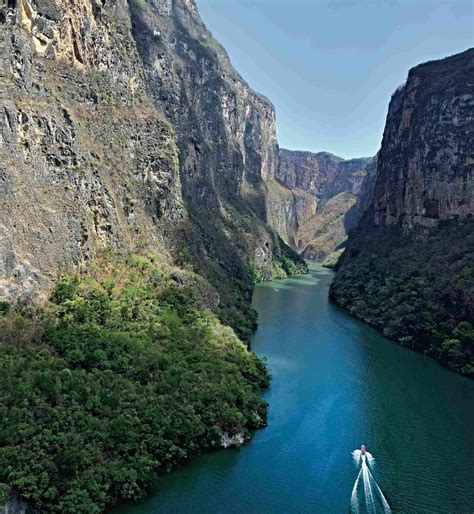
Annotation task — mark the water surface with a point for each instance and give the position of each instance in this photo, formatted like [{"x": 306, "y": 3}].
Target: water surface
[{"x": 336, "y": 383}]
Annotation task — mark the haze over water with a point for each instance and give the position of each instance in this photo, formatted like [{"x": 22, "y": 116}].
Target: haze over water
[{"x": 337, "y": 383}]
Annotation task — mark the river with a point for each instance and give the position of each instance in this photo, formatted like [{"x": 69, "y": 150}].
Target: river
[{"x": 337, "y": 383}]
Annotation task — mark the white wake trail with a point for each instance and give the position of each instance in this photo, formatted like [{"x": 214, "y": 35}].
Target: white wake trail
[
  {"x": 367, "y": 497},
  {"x": 355, "y": 507}
]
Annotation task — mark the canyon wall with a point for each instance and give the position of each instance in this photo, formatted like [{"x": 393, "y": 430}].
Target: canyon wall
[
  {"x": 425, "y": 170},
  {"x": 422, "y": 174},
  {"x": 316, "y": 198},
  {"x": 227, "y": 145},
  {"x": 124, "y": 124},
  {"x": 408, "y": 266},
  {"x": 86, "y": 158},
  {"x": 133, "y": 169}
]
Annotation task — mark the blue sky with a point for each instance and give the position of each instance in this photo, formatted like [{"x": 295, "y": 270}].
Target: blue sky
[{"x": 330, "y": 66}]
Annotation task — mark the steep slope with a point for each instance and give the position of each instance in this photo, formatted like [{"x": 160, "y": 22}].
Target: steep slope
[
  {"x": 126, "y": 375},
  {"x": 124, "y": 124},
  {"x": 311, "y": 195},
  {"x": 409, "y": 266},
  {"x": 227, "y": 148},
  {"x": 133, "y": 161},
  {"x": 86, "y": 159},
  {"x": 426, "y": 160}
]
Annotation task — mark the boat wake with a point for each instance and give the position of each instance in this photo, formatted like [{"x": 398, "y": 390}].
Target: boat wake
[{"x": 367, "y": 497}]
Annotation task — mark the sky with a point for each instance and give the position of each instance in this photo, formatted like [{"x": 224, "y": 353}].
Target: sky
[{"x": 331, "y": 66}]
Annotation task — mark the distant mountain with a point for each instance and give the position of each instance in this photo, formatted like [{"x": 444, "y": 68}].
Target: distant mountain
[{"x": 311, "y": 199}]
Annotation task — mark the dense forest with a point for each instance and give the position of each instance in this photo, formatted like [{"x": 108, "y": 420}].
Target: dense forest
[
  {"x": 418, "y": 289},
  {"x": 124, "y": 374}
]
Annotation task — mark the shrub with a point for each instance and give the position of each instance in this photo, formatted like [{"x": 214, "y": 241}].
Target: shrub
[
  {"x": 418, "y": 289},
  {"x": 131, "y": 376}
]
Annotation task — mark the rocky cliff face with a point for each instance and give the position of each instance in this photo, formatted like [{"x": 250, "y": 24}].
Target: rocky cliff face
[
  {"x": 86, "y": 158},
  {"x": 124, "y": 124},
  {"x": 408, "y": 266},
  {"x": 313, "y": 194},
  {"x": 225, "y": 135},
  {"x": 365, "y": 196},
  {"x": 426, "y": 161},
  {"x": 128, "y": 140}
]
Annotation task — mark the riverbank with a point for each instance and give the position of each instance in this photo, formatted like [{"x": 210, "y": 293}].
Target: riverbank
[
  {"x": 336, "y": 383},
  {"x": 416, "y": 290}
]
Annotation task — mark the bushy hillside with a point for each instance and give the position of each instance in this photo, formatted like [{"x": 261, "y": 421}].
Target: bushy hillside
[
  {"x": 125, "y": 374},
  {"x": 417, "y": 290}
]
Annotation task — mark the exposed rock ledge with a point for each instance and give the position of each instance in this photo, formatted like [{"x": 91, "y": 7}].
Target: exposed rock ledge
[
  {"x": 238, "y": 439},
  {"x": 317, "y": 198}
]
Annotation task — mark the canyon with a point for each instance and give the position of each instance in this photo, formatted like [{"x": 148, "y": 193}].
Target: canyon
[
  {"x": 322, "y": 197},
  {"x": 125, "y": 125},
  {"x": 143, "y": 194}
]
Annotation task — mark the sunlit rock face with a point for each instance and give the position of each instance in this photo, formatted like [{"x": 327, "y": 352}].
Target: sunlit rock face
[
  {"x": 125, "y": 125},
  {"x": 426, "y": 163},
  {"x": 317, "y": 198},
  {"x": 86, "y": 158}
]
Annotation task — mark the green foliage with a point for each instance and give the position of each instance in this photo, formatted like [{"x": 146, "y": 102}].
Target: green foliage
[
  {"x": 278, "y": 272},
  {"x": 256, "y": 273},
  {"x": 184, "y": 259},
  {"x": 4, "y": 493},
  {"x": 288, "y": 261},
  {"x": 417, "y": 290},
  {"x": 4, "y": 307},
  {"x": 129, "y": 378},
  {"x": 219, "y": 250}
]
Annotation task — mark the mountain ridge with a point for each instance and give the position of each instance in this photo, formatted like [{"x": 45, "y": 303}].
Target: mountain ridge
[{"x": 317, "y": 191}]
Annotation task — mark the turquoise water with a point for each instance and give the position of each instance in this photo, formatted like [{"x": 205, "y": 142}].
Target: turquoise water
[{"x": 336, "y": 383}]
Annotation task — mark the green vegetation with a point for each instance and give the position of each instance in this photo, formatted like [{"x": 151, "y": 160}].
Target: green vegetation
[
  {"x": 287, "y": 263},
  {"x": 123, "y": 376},
  {"x": 221, "y": 251},
  {"x": 417, "y": 290}
]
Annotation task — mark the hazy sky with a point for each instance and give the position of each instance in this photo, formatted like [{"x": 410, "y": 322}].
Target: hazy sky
[{"x": 330, "y": 66}]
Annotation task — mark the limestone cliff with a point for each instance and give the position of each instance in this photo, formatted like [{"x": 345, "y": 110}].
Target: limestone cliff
[
  {"x": 124, "y": 124},
  {"x": 409, "y": 265},
  {"x": 311, "y": 197},
  {"x": 226, "y": 139},
  {"x": 425, "y": 170},
  {"x": 124, "y": 129},
  {"x": 86, "y": 158}
]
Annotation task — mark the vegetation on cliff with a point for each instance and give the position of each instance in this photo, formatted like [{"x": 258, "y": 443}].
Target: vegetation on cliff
[
  {"x": 124, "y": 375},
  {"x": 417, "y": 290},
  {"x": 221, "y": 251}
]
